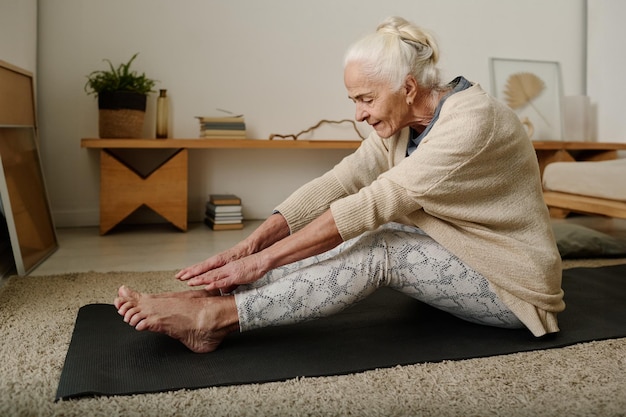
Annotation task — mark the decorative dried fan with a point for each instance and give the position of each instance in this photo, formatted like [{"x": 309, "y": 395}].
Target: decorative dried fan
[{"x": 521, "y": 89}]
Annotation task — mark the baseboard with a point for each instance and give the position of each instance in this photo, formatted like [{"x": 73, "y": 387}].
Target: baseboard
[
  {"x": 91, "y": 218},
  {"x": 76, "y": 218}
]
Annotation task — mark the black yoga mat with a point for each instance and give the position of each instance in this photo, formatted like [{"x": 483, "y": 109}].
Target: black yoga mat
[{"x": 108, "y": 357}]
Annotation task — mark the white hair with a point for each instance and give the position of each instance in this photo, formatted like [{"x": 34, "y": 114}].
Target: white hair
[{"x": 398, "y": 48}]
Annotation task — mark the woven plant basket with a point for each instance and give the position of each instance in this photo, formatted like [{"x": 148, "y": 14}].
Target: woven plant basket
[
  {"x": 122, "y": 123},
  {"x": 121, "y": 114}
]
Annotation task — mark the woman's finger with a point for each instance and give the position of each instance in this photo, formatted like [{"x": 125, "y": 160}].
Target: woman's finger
[{"x": 199, "y": 268}]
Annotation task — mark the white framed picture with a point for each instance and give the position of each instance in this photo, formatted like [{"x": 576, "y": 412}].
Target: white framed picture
[{"x": 533, "y": 90}]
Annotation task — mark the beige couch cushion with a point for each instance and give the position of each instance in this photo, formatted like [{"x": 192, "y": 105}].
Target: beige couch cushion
[{"x": 602, "y": 179}]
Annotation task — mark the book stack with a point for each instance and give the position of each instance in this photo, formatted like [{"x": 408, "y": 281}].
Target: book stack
[
  {"x": 223, "y": 127},
  {"x": 223, "y": 212}
]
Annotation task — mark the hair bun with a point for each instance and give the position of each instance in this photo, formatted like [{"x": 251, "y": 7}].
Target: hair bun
[
  {"x": 396, "y": 49},
  {"x": 413, "y": 35},
  {"x": 393, "y": 24}
]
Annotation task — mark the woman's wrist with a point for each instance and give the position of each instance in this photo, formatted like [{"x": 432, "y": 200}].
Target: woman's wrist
[{"x": 272, "y": 230}]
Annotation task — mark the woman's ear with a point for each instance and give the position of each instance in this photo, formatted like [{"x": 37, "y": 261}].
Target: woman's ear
[{"x": 410, "y": 88}]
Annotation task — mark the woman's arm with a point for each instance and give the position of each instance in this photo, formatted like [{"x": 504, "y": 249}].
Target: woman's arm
[
  {"x": 306, "y": 208},
  {"x": 317, "y": 237}
]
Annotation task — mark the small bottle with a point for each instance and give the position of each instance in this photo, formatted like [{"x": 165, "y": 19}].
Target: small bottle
[{"x": 162, "y": 115}]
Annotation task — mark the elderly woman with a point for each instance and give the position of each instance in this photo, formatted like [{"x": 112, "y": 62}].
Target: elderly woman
[{"x": 442, "y": 202}]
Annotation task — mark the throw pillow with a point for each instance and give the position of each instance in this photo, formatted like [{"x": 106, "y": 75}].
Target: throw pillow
[{"x": 575, "y": 241}]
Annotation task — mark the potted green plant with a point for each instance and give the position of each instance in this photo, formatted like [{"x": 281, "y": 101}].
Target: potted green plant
[{"x": 122, "y": 96}]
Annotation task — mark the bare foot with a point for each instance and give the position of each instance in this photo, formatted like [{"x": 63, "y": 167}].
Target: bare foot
[
  {"x": 198, "y": 321},
  {"x": 176, "y": 294}
]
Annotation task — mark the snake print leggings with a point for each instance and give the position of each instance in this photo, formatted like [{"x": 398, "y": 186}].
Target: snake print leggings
[{"x": 398, "y": 256}]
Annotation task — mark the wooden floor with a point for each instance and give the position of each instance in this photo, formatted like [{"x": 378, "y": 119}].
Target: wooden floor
[{"x": 163, "y": 247}]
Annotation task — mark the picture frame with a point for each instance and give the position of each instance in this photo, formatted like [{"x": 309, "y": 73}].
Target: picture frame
[
  {"x": 27, "y": 224},
  {"x": 533, "y": 89},
  {"x": 24, "y": 198}
]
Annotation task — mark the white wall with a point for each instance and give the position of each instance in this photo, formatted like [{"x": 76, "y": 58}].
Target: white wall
[
  {"x": 605, "y": 68},
  {"x": 277, "y": 61},
  {"x": 18, "y": 33}
]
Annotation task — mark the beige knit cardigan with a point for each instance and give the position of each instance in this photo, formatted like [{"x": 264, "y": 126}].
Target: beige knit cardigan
[{"x": 472, "y": 185}]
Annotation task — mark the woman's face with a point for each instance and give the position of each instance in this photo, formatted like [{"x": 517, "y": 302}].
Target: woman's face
[{"x": 386, "y": 111}]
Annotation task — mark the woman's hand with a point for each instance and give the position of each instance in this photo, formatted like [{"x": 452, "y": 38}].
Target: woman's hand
[
  {"x": 210, "y": 264},
  {"x": 272, "y": 230},
  {"x": 317, "y": 237},
  {"x": 227, "y": 277}
]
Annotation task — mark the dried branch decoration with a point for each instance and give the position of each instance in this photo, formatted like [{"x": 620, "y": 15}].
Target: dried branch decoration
[
  {"x": 521, "y": 89},
  {"x": 321, "y": 122}
]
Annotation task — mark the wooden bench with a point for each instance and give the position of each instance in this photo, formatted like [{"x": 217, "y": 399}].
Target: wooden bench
[{"x": 561, "y": 204}]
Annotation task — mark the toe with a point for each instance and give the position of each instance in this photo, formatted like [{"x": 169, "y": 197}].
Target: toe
[
  {"x": 132, "y": 316},
  {"x": 123, "y": 305},
  {"x": 122, "y": 291},
  {"x": 119, "y": 304},
  {"x": 127, "y": 292},
  {"x": 141, "y": 325}
]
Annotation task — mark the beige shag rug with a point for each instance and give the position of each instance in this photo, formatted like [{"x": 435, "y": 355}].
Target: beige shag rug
[{"x": 37, "y": 316}]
